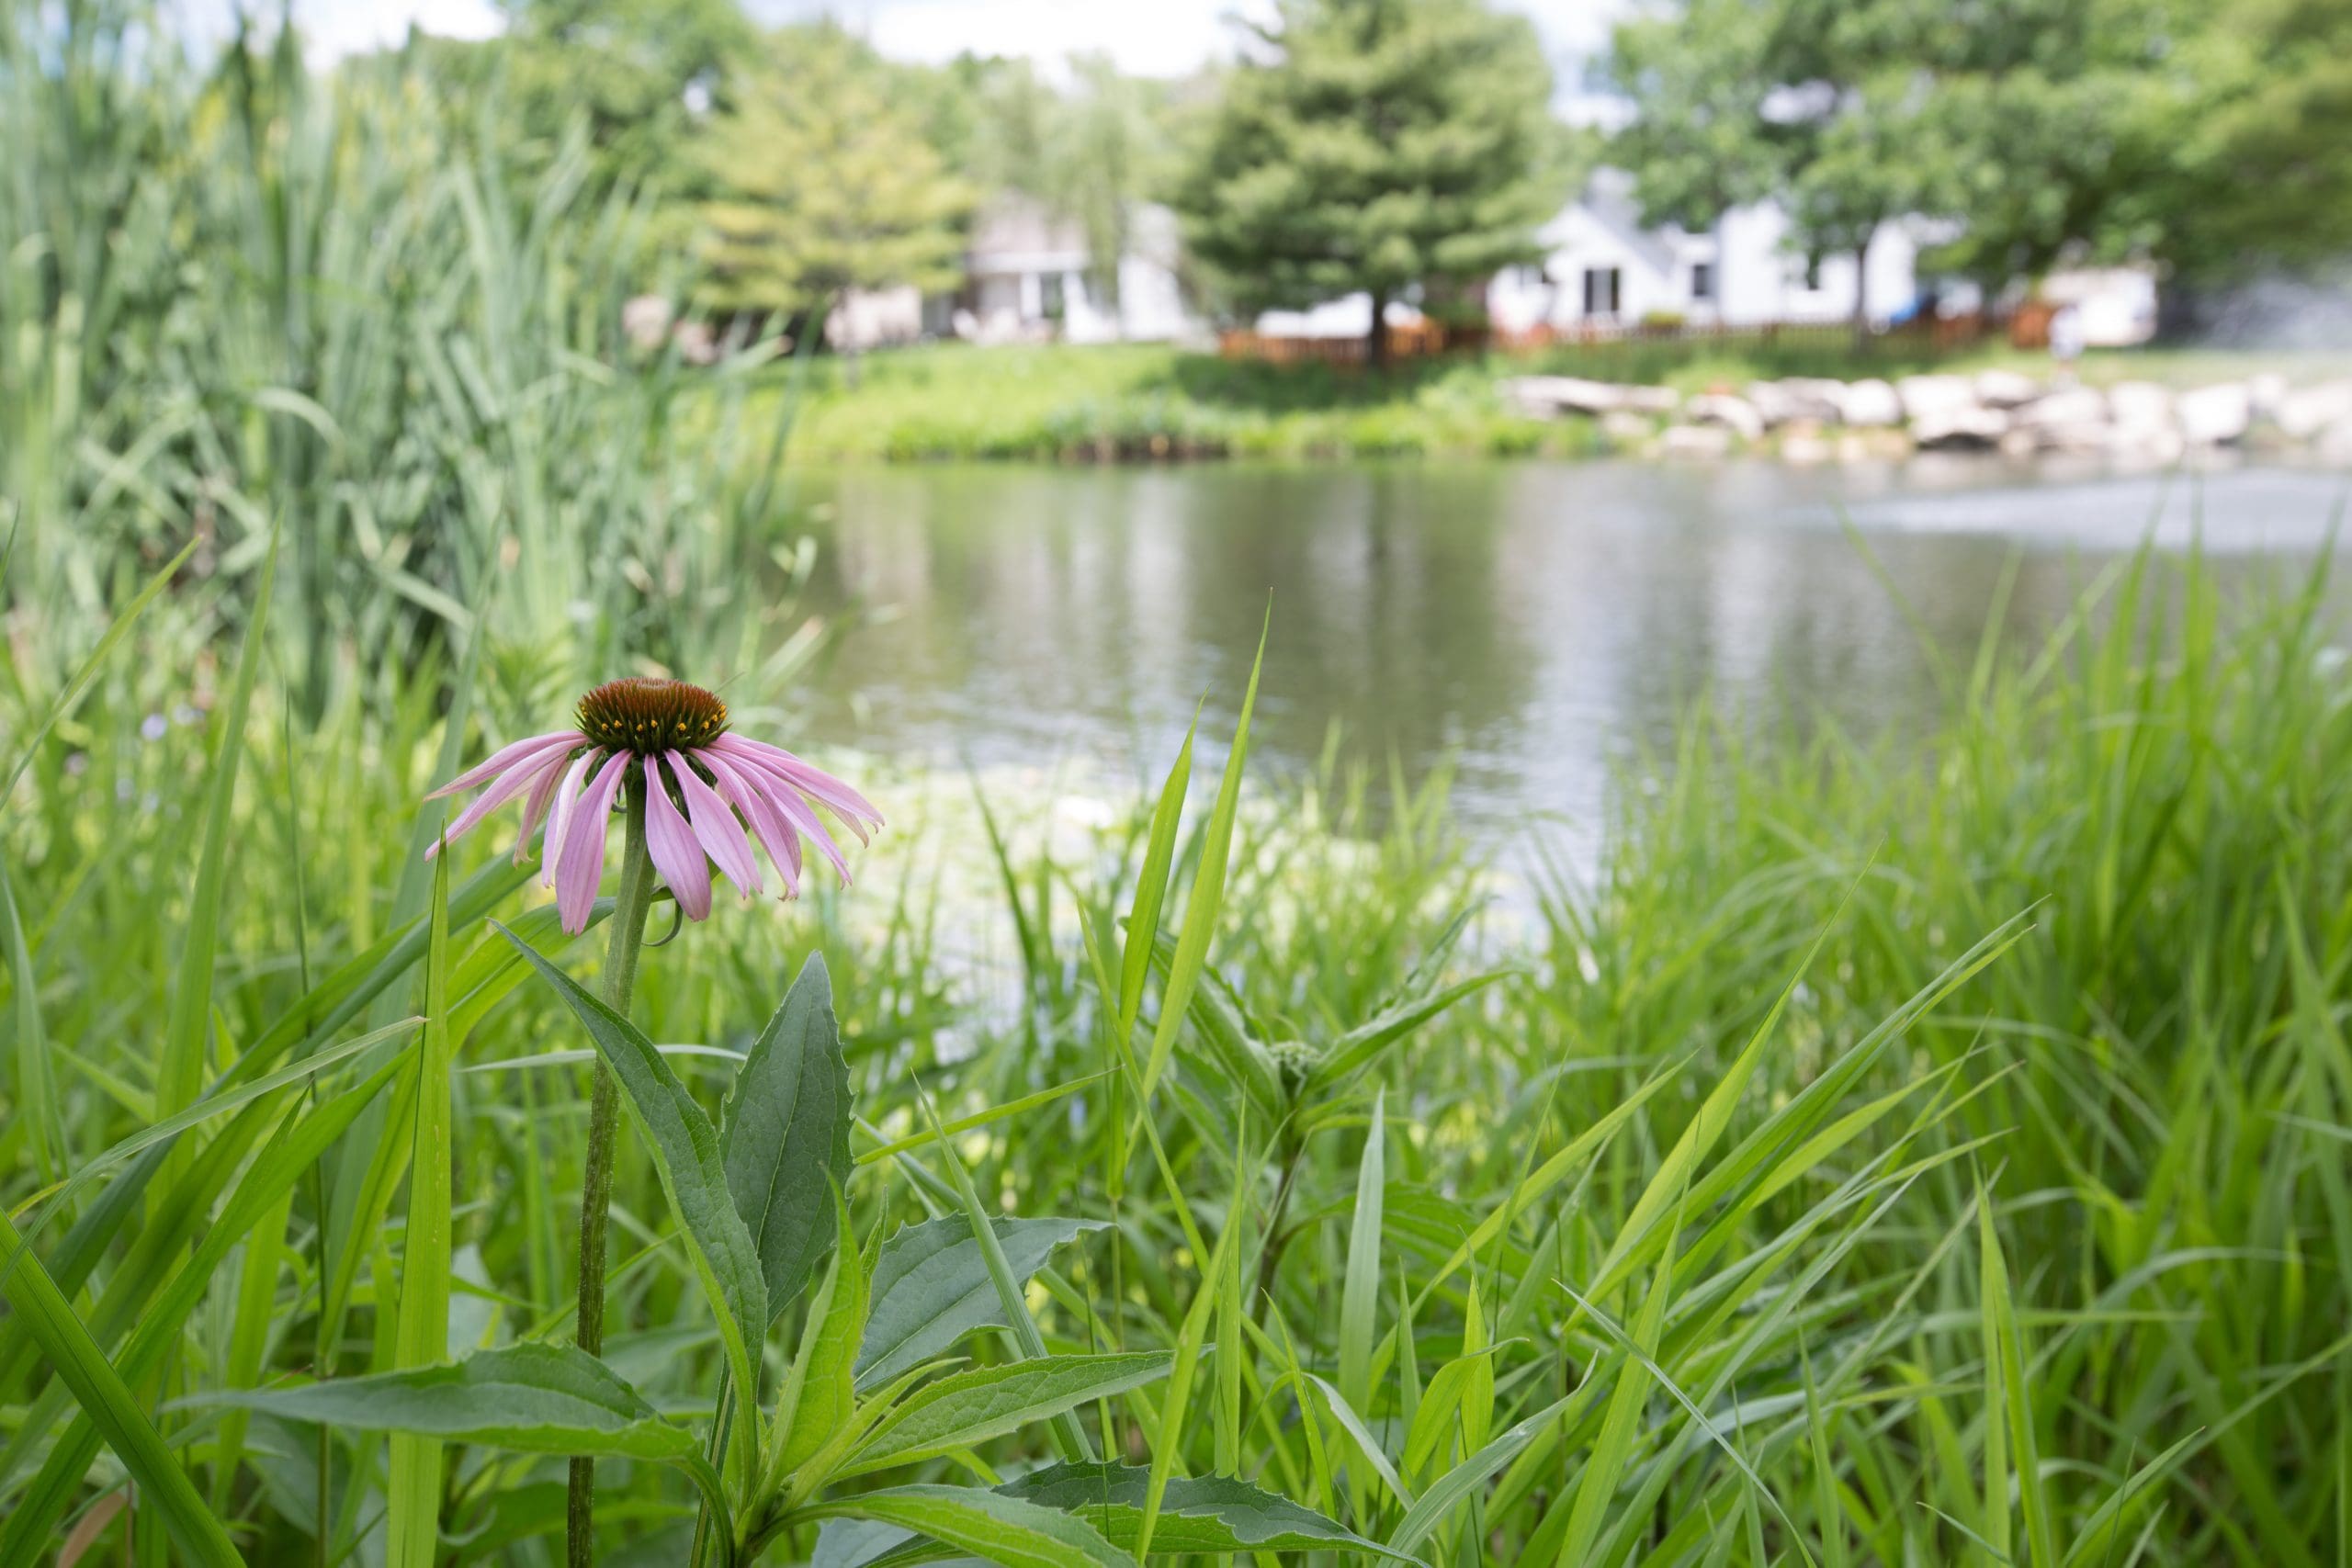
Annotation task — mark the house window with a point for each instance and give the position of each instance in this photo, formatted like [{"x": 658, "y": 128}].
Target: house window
[
  {"x": 1050, "y": 302},
  {"x": 1702, "y": 281},
  {"x": 1601, "y": 285}
]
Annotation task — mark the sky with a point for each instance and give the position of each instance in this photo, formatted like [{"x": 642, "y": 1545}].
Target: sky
[{"x": 1160, "y": 38}]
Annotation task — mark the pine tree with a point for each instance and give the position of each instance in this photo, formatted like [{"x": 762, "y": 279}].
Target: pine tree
[{"x": 1375, "y": 145}]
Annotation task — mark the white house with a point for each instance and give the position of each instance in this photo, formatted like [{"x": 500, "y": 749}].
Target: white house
[
  {"x": 1029, "y": 276},
  {"x": 1603, "y": 266}
]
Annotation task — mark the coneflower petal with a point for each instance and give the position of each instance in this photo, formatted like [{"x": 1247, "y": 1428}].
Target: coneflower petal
[
  {"x": 852, "y": 807},
  {"x": 716, "y": 827},
  {"x": 550, "y": 775},
  {"x": 676, "y": 853},
  {"x": 509, "y": 783},
  {"x": 583, "y": 846},
  {"x": 783, "y": 843},
  {"x": 797, "y": 810},
  {"x": 504, "y": 757},
  {"x": 567, "y": 796}
]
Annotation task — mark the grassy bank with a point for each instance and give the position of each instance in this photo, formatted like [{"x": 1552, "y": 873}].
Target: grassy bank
[
  {"x": 1149, "y": 402},
  {"x": 1886, "y": 1157}
]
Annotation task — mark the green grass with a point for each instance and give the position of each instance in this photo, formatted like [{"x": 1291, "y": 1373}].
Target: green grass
[
  {"x": 1920, "y": 1155},
  {"x": 1138, "y": 402}
]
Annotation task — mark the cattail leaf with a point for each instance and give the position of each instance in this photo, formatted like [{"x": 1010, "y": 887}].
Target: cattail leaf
[{"x": 985, "y": 1524}]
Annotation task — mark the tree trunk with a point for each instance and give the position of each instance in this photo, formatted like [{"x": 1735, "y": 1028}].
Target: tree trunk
[
  {"x": 1862, "y": 294},
  {"x": 1375, "y": 344}
]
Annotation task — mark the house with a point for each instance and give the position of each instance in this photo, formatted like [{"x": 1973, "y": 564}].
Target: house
[
  {"x": 1029, "y": 274},
  {"x": 1604, "y": 267}
]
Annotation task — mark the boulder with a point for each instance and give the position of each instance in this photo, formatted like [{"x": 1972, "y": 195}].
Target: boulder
[
  {"x": 2266, "y": 393},
  {"x": 1695, "y": 441},
  {"x": 2216, "y": 416},
  {"x": 1868, "y": 403},
  {"x": 1736, "y": 414},
  {"x": 2067, "y": 406},
  {"x": 2139, "y": 406},
  {"x": 1971, "y": 427},
  {"x": 1798, "y": 398},
  {"x": 1923, "y": 395},
  {"x": 1552, "y": 396},
  {"x": 1625, "y": 428},
  {"x": 2335, "y": 443},
  {"x": 2005, "y": 389},
  {"x": 1806, "y": 445},
  {"x": 2306, "y": 412}
]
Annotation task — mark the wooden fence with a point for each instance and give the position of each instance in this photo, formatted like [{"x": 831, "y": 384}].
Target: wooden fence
[{"x": 1424, "y": 340}]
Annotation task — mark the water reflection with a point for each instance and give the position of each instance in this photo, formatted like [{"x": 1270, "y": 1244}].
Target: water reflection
[{"x": 1537, "y": 621}]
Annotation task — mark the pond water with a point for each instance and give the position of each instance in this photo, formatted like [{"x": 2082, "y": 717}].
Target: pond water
[{"x": 1538, "y": 624}]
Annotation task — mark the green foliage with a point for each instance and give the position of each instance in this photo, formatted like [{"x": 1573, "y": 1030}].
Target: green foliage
[
  {"x": 821, "y": 180},
  {"x": 2209, "y": 137},
  {"x": 1383, "y": 146}
]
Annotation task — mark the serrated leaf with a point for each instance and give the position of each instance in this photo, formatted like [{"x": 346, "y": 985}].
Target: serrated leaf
[
  {"x": 686, "y": 1158},
  {"x": 931, "y": 1286},
  {"x": 1000, "y": 1529},
  {"x": 1197, "y": 1513},
  {"x": 785, "y": 1136},
  {"x": 989, "y": 1401}
]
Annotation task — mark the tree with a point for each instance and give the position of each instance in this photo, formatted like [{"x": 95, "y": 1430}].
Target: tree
[
  {"x": 1375, "y": 145},
  {"x": 2214, "y": 136},
  {"x": 1837, "y": 109},
  {"x": 824, "y": 181}
]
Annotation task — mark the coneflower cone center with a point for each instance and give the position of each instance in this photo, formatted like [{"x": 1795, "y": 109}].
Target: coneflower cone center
[{"x": 645, "y": 715}]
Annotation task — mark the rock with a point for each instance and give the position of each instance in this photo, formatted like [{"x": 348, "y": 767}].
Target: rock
[
  {"x": 2266, "y": 393},
  {"x": 2306, "y": 412},
  {"x": 2141, "y": 406},
  {"x": 1923, "y": 395},
  {"x": 1798, "y": 398},
  {"x": 2075, "y": 435},
  {"x": 2067, "y": 406},
  {"x": 1969, "y": 428},
  {"x": 2335, "y": 443},
  {"x": 1695, "y": 441},
  {"x": 1625, "y": 428},
  {"x": 1736, "y": 414},
  {"x": 2021, "y": 441},
  {"x": 2216, "y": 416},
  {"x": 2005, "y": 389},
  {"x": 1867, "y": 403},
  {"x": 1552, "y": 396},
  {"x": 1805, "y": 441}
]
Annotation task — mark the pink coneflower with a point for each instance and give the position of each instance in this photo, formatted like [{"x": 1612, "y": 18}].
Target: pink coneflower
[{"x": 703, "y": 789}]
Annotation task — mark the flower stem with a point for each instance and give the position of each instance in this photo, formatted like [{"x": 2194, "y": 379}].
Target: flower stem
[{"x": 629, "y": 909}]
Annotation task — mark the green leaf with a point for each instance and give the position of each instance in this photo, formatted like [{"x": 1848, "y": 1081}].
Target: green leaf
[
  {"x": 535, "y": 1397},
  {"x": 1000, "y": 1529},
  {"x": 109, "y": 1404},
  {"x": 1360, "y": 1290},
  {"x": 931, "y": 1286},
  {"x": 179, "y": 1072},
  {"x": 1151, "y": 887},
  {"x": 822, "y": 1387},
  {"x": 1197, "y": 1513},
  {"x": 1208, "y": 889},
  {"x": 988, "y": 1401},
  {"x": 784, "y": 1136},
  {"x": 88, "y": 672},
  {"x": 421, "y": 1335},
  {"x": 687, "y": 1157}
]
